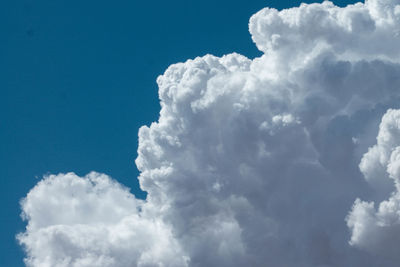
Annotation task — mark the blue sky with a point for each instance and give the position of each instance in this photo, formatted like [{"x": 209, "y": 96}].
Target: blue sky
[{"x": 78, "y": 80}]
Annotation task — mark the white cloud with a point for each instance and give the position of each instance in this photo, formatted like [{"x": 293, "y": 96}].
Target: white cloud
[
  {"x": 93, "y": 221},
  {"x": 378, "y": 231},
  {"x": 252, "y": 162}
]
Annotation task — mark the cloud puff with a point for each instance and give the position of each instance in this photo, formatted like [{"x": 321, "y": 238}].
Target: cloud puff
[
  {"x": 93, "y": 221},
  {"x": 378, "y": 231},
  {"x": 252, "y": 162}
]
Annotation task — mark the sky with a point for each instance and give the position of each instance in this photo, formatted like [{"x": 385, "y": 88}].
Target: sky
[{"x": 79, "y": 80}]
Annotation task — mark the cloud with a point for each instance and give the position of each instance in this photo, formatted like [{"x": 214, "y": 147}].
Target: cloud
[
  {"x": 257, "y": 162},
  {"x": 92, "y": 221},
  {"x": 378, "y": 231}
]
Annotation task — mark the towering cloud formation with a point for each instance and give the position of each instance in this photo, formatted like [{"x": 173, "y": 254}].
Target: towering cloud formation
[{"x": 264, "y": 162}]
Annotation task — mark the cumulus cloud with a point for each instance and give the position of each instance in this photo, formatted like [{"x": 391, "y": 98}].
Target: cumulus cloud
[
  {"x": 93, "y": 221},
  {"x": 378, "y": 231},
  {"x": 262, "y": 162}
]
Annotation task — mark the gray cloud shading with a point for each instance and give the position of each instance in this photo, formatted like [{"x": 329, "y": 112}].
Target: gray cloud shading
[{"x": 275, "y": 161}]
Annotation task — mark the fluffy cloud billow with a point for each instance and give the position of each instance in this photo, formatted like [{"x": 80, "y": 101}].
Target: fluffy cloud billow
[{"x": 289, "y": 159}]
